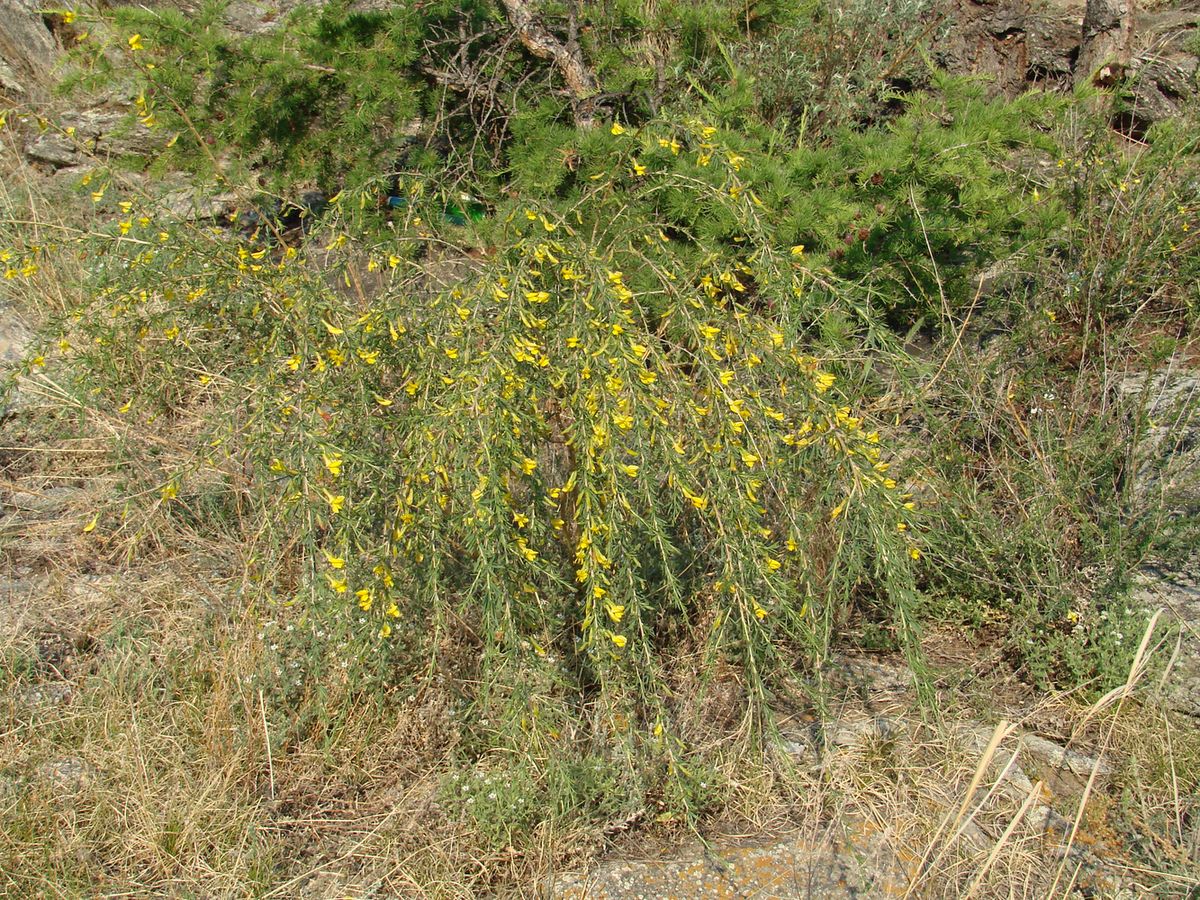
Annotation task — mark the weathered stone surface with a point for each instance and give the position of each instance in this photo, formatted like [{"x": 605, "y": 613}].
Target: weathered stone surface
[
  {"x": 99, "y": 133},
  {"x": 848, "y": 860},
  {"x": 1159, "y": 87},
  {"x": 188, "y": 205},
  {"x": 43, "y": 502},
  {"x": 28, "y": 50},
  {"x": 1169, "y": 455},
  {"x": 14, "y": 335},
  {"x": 1167, "y": 480},
  {"x": 43, "y": 694},
  {"x": 1016, "y": 44},
  {"x": 69, "y": 774},
  {"x": 1179, "y": 594},
  {"x": 1049, "y": 753}
]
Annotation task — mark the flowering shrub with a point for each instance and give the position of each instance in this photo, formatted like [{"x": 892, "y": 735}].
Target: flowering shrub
[{"x": 593, "y": 445}]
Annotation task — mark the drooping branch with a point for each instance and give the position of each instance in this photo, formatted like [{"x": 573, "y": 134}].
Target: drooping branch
[{"x": 567, "y": 57}]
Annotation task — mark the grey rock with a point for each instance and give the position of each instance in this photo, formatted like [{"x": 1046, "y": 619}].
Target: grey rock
[
  {"x": 1159, "y": 87},
  {"x": 850, "y": 860},
  {"x": 28, "y": 50},
  {"x": 186, "y": 204},
  {"x": 10, "y": 788},
  {"x": 258, "y": 16},
  {"x": 68, "y": 773},
  {"x": 1179, "y": 594},
  {"x": 1056, "y": 756},
  {"x": 1167, "y": 483},
  {"x": 9, "y": 83},
  {"x": 869, "y": 675},
  {"x": 1168, "y": 469},
  {"x": 42, "y": 503},
  {"x": 20, "y": 589},
  {"x": 15, "y": 336},
  {"x": 99, "y": 133},
  {"x": 47, "y": 694},
  {"x": 1011, "y": 780}
]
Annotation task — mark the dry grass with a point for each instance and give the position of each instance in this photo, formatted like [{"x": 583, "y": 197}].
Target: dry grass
[
  {"x": 166, "y": 772},
  {"x": 165, "y": 785}
]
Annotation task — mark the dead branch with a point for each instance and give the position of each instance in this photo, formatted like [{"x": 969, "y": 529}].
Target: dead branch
[{"x": 566, "y": 56}]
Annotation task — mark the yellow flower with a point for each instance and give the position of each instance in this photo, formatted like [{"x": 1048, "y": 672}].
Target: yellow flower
[
  {"x": 338, "y": 584},
  {"x": 773, "y": 564},
  {"x": 629, "y": 470},
  {"x": 335, "y": 562},
  {"x": 616, "y": 128},
  {"x": 914, "y": 553},
  {"x": 364, "y": 599},
  {"x": 170, "y": 491},
  {"x": 332, "y": 329},
  {"x": 528, "y": 465},
  {"x": 385, "y": 631},
  {"x": 335, "y": 501},
  {"x": 618, "y": 639},
  {"x": 135, "y": 43},
  {"x": 759, "y": 612},
  {"x": 333, "y": 463},
  {"x": 749, "y": 459},
  {"x": 798, "y": 250},
  {"x": 370, "y": 357},
  {"x": 537, "y": 296},
  {"x": 615, "y": 611},
  {"x": 393, "y": 610},
  {"x": 382, "y": 401},
  {"x": 638, "y": 168},
  {"x": 836, "y": 511},
  {"x": 68, "y": 17}
]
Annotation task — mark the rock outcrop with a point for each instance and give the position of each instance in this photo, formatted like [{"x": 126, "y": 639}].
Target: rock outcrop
[{"x": 29, "y": 51}]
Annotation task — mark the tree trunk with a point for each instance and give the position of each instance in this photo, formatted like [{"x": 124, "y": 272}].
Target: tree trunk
[
  {"x": 1107, "y": 36},
  {"x": 566, "y": 56}
]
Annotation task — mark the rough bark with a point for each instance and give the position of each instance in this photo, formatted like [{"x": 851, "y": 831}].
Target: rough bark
[
  {"x": 567, "y": 57},
  {"x": 1107, "y": 38}
]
